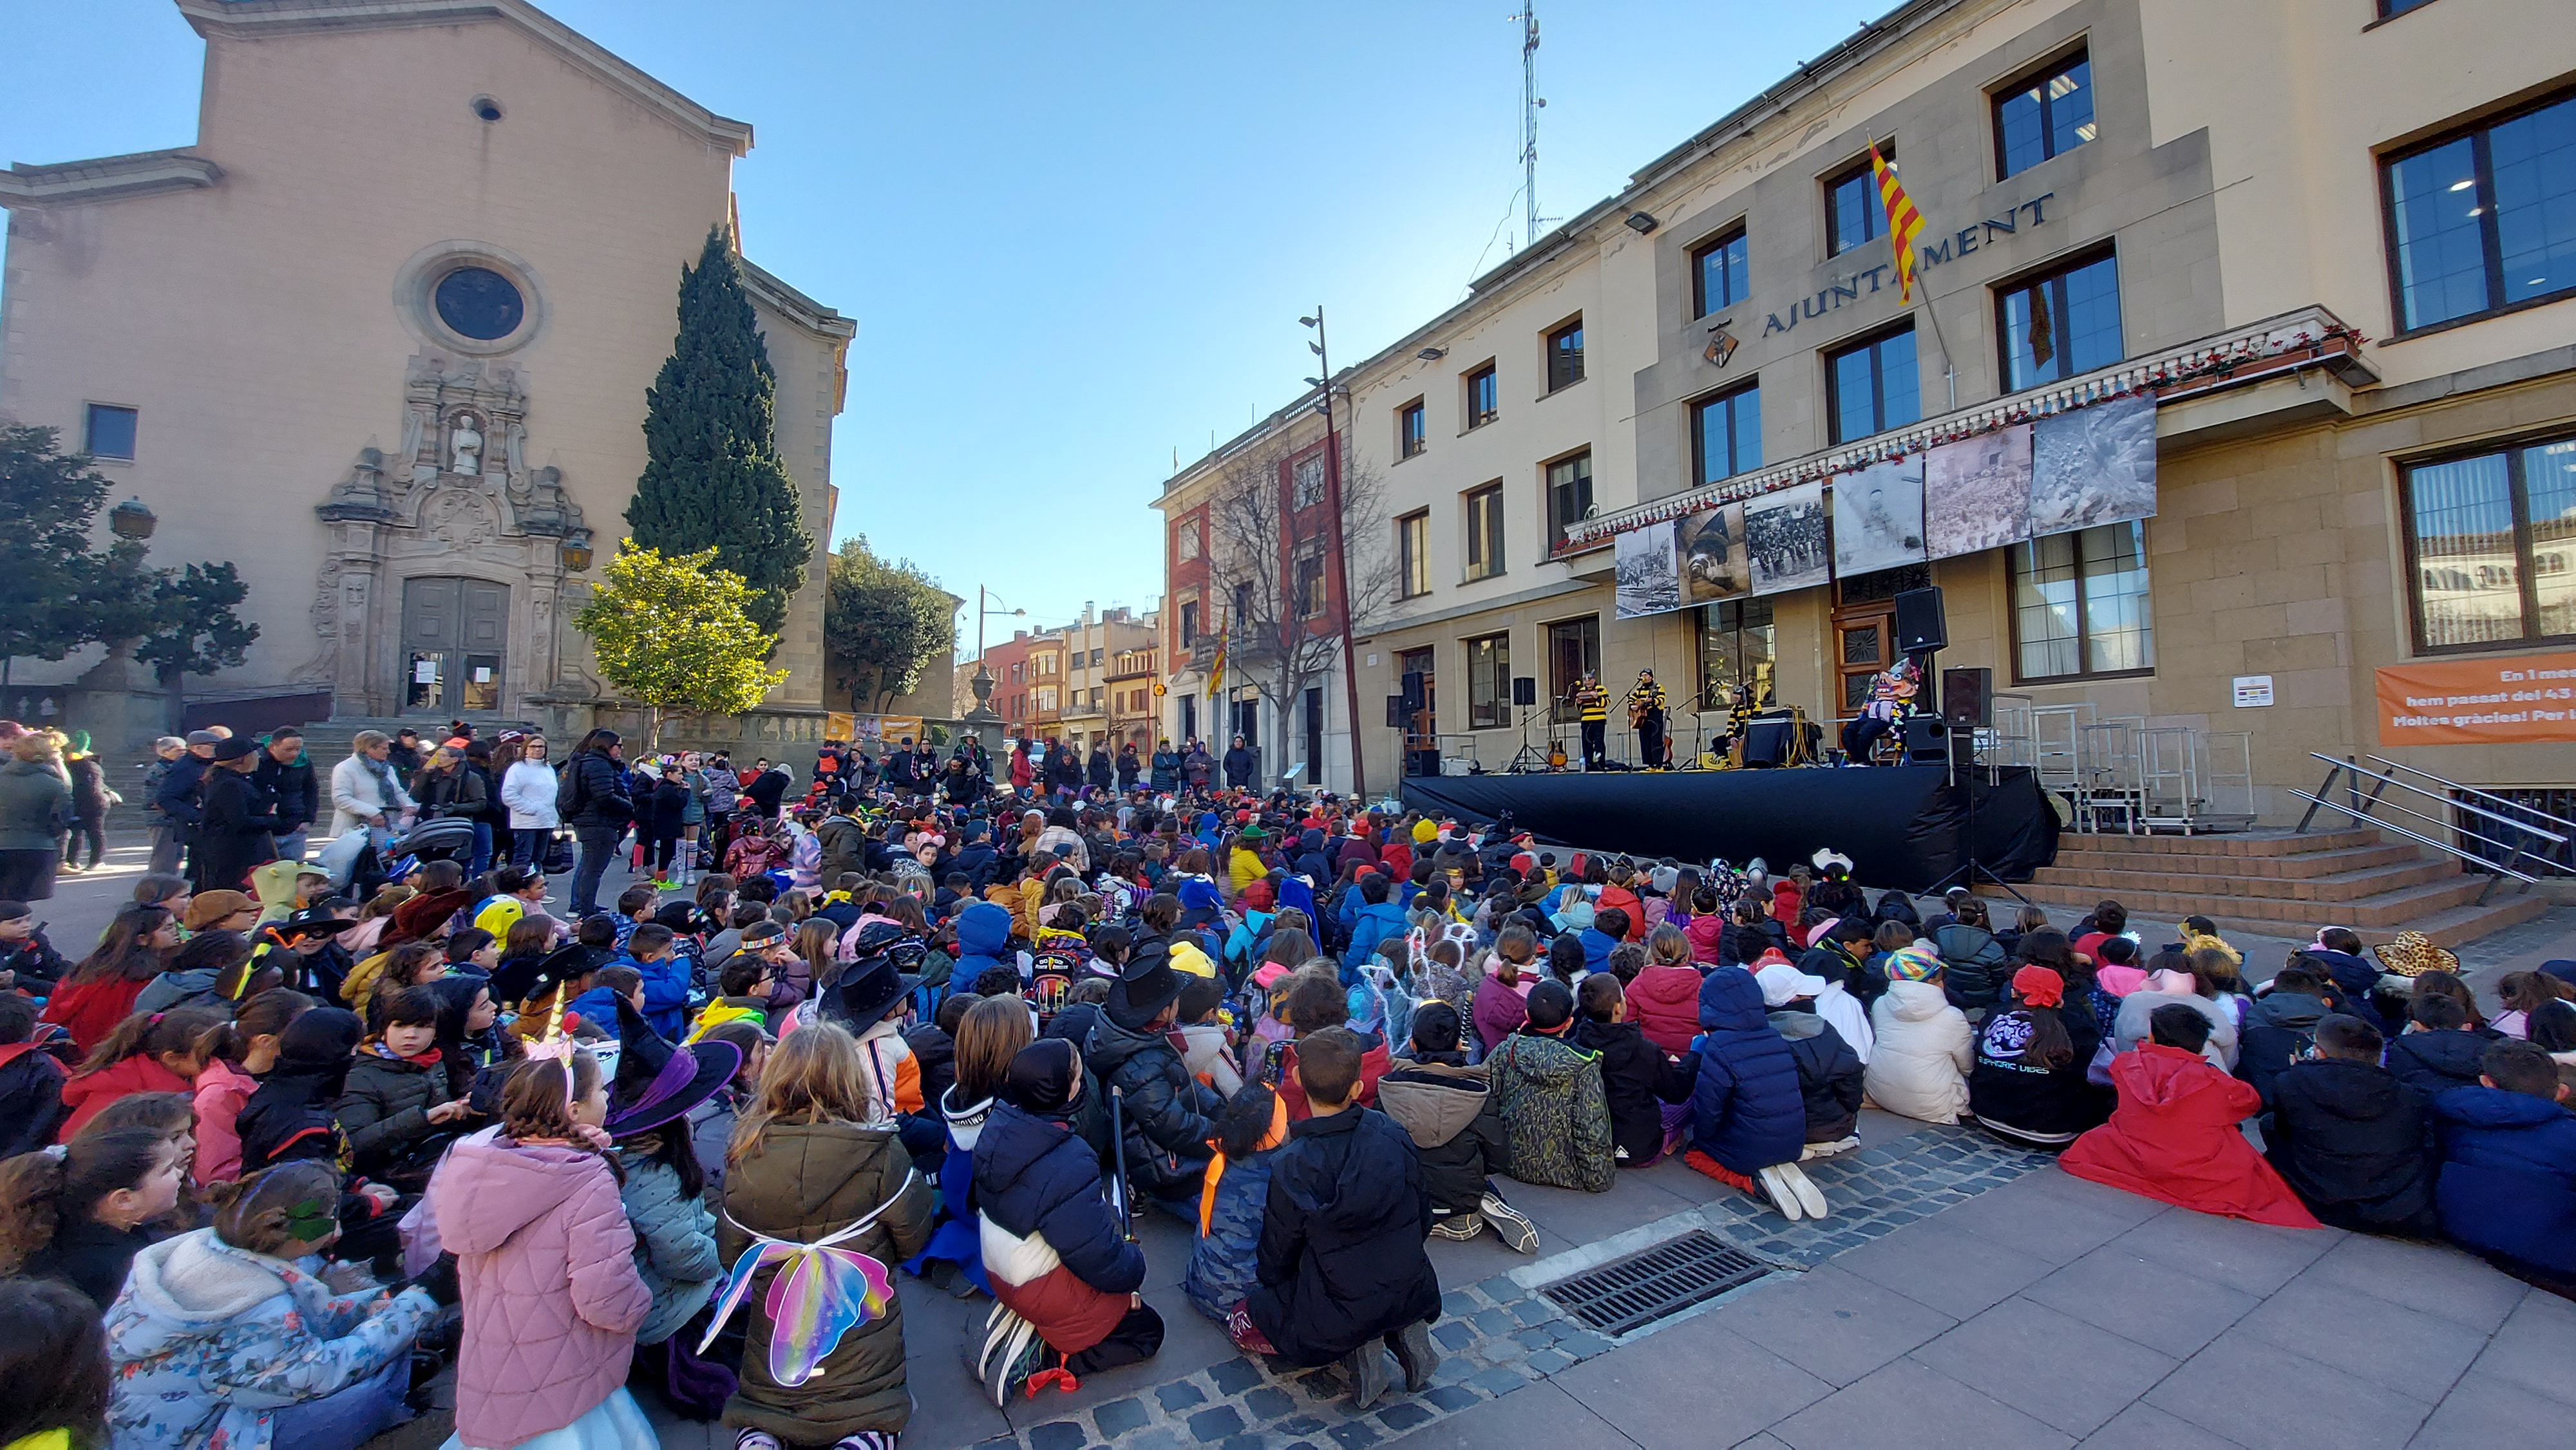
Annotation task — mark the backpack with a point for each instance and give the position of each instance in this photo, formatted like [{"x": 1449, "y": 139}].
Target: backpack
[{"x": 569, "y": 792}]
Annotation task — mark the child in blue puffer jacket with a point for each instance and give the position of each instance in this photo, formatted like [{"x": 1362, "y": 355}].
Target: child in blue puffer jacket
[
  {"x": 1748, "y": 1117},
  {"x": 1231, "y": 1204}
]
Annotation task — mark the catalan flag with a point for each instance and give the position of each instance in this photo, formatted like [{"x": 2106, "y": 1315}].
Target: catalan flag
[
  {"x": 1216, "y": 666},
  {"x": 1904, "y": 223}
]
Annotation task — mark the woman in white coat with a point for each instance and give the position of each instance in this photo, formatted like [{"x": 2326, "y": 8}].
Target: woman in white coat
[
  {"x": 366, "y": 791},
  {"x": 1925, "y": 1050},
  {"x": 528, "y": 789}
]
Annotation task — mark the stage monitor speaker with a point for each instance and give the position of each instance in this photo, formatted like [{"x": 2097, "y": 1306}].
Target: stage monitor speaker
[
  {"x": 1919, "y": 622},
  {"x": 1422, "y": 762},
  {"x": 1416, "y": 691},
  {"x": 1927, "y": 740},
  {"x": 1968, "y": 697},
  {"x": 1524, "y": 690},
  {"x": 1397, "y": 717},
  {"x": 1769, "y": 743}
]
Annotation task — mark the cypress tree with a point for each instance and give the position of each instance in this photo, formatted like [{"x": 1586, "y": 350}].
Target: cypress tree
[{"x": 712, "y": 475}]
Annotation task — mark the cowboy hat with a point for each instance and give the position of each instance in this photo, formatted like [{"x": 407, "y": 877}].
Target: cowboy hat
[
  {"x": 2411, "y": 954},
  {"x": 656, "y": 1082},
  {"x": 1146, "y": 984}
]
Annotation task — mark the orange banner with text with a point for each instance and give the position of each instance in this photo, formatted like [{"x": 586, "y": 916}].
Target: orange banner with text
[{"x": 2490, "y": 700}]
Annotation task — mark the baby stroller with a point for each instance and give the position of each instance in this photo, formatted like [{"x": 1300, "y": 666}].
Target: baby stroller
[
  {"x": 445, "y": 839},
  {"x": 358, "y": 867}
]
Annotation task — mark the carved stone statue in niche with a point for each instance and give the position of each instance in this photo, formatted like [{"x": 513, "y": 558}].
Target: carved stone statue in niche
[{"x": 466, "y": 446}]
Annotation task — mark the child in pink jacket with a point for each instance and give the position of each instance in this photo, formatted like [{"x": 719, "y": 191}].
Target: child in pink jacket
[{"x": 547, "y": 1262}]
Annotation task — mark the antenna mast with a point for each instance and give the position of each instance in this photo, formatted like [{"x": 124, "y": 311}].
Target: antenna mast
[{"x": 1530, "y": 103}]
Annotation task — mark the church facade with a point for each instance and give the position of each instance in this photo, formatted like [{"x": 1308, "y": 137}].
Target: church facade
[{"x": 381, "y": 338}]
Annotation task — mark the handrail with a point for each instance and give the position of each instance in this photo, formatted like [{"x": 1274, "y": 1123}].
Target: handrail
[
  {"x": 2465, "y": 857},
  {"x": 2483, "y": 795},
  {"x": 2386, "y": 781}
]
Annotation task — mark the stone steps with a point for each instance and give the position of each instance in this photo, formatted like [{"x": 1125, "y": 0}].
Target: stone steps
[{"x": 2335, "y": 886}]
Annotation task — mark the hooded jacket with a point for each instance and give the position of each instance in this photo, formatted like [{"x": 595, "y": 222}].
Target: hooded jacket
[
  {"x": 1169, "y": 1115},
  {"x": 1746, "y": 1112},
  {"x": 2173, "y": 1138},
  {"x": 2013, "y": 1092},
  {"x": 1370, "y": 923},
  {"x": 31, "y": 1099},
  {"x": 1447, "y": 1108},
  {"x": 35, "y": 805},
  {"x": 1226, "y": 1253},
  {"x": 1919, "y": 1068},
  {"x": 1974, "y": 965},
  {"x": 2433, "y": 1063},
  {"x": 810, "y": 1180},
  {"x": 1054, "y": 1250},
  {"x": 1638, "y": 1079},
  {"x": 218, "y": 1095},
  {"x": 2507, "y": 1183},
  {"x": 1341, "y": 1260},
  {"x": 290, "y": 1114},
  {"x": 208, "y": 1342},
  {"x": 1829, "y": 1075},
  {"x": 2355, "y": 978},
  {"x": 983, "y": 934},
  {"x": 234, "y": 830},
  {"x": 1498, "y": 1011},
  {"x": 2355, "y": 1145},
  {"x": 2137, "y": 1011},
  {"x": 2278, "y": 1027},
  {"x": 552, "y": 1298},
  {"x": 384, "y": 1110},
  {"x": 290, "y": 789},
  {"x": 1556, "y": 1112},
  {"x": 675, "y": 1245},
  {"x": 1707, "y": 935},
  {"x": 88, "y": 1092}
]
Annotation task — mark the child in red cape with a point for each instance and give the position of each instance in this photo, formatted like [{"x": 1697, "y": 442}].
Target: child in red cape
[{"x": 2174, "y": 1138}]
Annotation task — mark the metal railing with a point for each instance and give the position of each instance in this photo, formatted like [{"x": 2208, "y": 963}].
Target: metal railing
[{"x": 2362, "y": 808}]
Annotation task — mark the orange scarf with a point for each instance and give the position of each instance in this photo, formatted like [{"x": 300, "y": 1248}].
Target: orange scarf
[{"x": 1277, "y": 1135}]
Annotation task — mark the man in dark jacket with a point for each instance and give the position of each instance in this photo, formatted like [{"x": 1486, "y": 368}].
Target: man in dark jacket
[
  {"x": 593, "y": 800},
  {"x": 1447, "y": 1109},
  {"x": 1240, "y": 766},
  {"x": 2354, "y": 1144},
  {"x": 1167, "y": 769},
  {"x": 2507, "y": 1184},
  {"x": 1098, "y": 771},
  {"x": 235, "y": 823},
  {"x": 1341, "y": 1264},
  {"x": 180, "y": 798},
  {"x": 1063, "y": 769},
  {"x": 1169, "y": 1115},
  {"x": 768, "y": 789},
  {"x": 285, "y": 776},
  {"x": 2437, "y": 1052},
  {"x": 1129, "y": 767},
  {"x": 2279, "y": 1028}
]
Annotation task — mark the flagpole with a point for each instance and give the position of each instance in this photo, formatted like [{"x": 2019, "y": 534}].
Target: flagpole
[{"x": 1949, "y": 372}]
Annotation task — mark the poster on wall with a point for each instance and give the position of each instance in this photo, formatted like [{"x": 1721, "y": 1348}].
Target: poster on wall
[
  {"x": 2512, "y": 700},
  {"x": 1785, "y": 534},
  {"x": 1878, "y": 517},
  {"x": 1715, "y": 565},
  {"x": 2093, "y": 466},
  {"x": 1649, "y": 581},
  {"x": 1976, "y": 493}
]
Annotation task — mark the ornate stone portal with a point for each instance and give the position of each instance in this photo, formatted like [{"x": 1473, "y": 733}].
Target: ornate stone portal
[{"x": 458, "y": 501}]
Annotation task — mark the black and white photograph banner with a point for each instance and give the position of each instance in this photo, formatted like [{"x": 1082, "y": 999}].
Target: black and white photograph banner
[
  {"x": 1878, "y": 517},
  {"x": 2094, "y": 465},
  {"x": 1785, "y": 534},
  {"x": 1715, "y": 562},
  {"x": 1976, "y": 493},
  {"x": 1649, "y": 579}
]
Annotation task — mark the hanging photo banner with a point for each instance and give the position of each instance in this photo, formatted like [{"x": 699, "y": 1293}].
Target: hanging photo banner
[
  {"x": 1785, "y": 534},
  {"x": 1976, "y": 493},
  {"x": 1715, "y": 564},
  {"x": 1649, "y": 581},
  {"x": 2093, "y": 466},
  {"x": 1878, "y": 517}
]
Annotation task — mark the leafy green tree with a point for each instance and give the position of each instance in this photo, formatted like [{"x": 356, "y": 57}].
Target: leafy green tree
[
  {"x": 883, "y": 624},
  {"x": 676, "y": 633},
  {"x": 51, "y": 581},
  {"x": 192, "y": 628},
  {"x": 712, "y": 476}
]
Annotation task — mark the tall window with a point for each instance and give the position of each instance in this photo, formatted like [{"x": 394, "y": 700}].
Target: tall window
[
  {"x": 1573, "y": 650},
  {"x": 1485, "y": 532},
  {"x": 1726, "y": 435},
  {"x": 1852, "y": 211},
  {"x": 110, "y": 431},
  {"x": 1735, "y": 648},
  {"x": 1484, "y": 402},
  {"x": 1873, "y": 386},
  {"x": 1410, "y": 438},
  {"x": 1310, "y": 585},
  {"x": 2486, "y": 220},
  {"x": 2493, "y": 543},
  {"x": 1306, "y": 481},
  {"x": 1413, "y": 554},
  {"x": 1717, "y": 274},
  {"x": 1569, "y": 497},
  {"x": 2057, "y": 326},
  {"x": 1565, "y": 356},
  {"x": 1185, "y": 544},
  {"x": 1189, "y": 624},
  {"x": 1489, "y": 681},
  {"x": 2049, "y": 113},
  {"x": 2080, "y": 604}
]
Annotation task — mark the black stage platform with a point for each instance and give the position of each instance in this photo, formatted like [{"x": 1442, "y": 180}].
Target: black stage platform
[{"x": 1902, "y": 825}]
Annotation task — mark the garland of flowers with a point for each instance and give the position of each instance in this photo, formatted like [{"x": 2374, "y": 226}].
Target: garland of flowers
[{"x": 2138, "y": 380}]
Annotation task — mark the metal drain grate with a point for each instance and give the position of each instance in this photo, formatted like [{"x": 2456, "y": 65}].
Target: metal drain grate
[{"x": 1625, "y": 1294}]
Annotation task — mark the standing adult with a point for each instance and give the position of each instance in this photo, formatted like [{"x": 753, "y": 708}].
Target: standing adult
[
  {"x": 366, "y": 789},
  {"x": 169, "y": 840},
  {"x": 1098, "y": 771},
  {"x": 1240, "y": 765},
  {"x": 90, "y": 799},
  {"x": 1167, "y": 768},
  {"x": 593, "y": 801},
  {"x": 1129, "y": 767},
  {"x": 769, "y": 788},
  {"x": 1646, "y": 711},
  {"x": 178, "y": 797},
  {"x": 286, "y": 776},
  {"x": 1198, "y": 767},
  {"x": 1592, "y": 704},
  {"x": 1023, "y": 773},
  {"x": 1063, "y": 770},
  {"x": 528, "y": 791},
  {"x": 405, "y": 753},
  {"x": 235, "y": 831},
  {"x": 446, "y": 788},
  {"x": 903, "y": 769},
  {"x": 491, "y": 818},
  {"x": 35, "y": 814}
]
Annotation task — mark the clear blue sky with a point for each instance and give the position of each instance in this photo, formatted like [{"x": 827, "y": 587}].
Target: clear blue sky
[{"x": 1076, "y": 238}]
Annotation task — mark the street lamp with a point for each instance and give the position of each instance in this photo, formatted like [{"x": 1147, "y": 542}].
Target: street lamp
[
  {"x": 1341, "y": 571},
  {"x": 132, "y": 519},
  {"x": 983, "y": 612},
  {"x": 575, "y": 550}
]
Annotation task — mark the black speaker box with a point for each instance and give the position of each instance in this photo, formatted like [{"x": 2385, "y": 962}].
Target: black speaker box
[
  {"x": 1927, "y": 740},
  {"x": 1524, "y": 689},
  {"x": 1422, "y": 762},
  {"x": 1968, "y": 697},
  {"x": 1397, "y": 717},
  {"x": 1920, "y": 625},
  {"x": 1414, "y": 690}
]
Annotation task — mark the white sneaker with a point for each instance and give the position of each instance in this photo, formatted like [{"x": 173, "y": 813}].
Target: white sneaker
[
  {"x": 1511, "y": 1223},
  {"x": 1828, "y": 1150},
  {"x": 1775, "y": 1181},
  {"x": 1810, "y": 1197}
]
